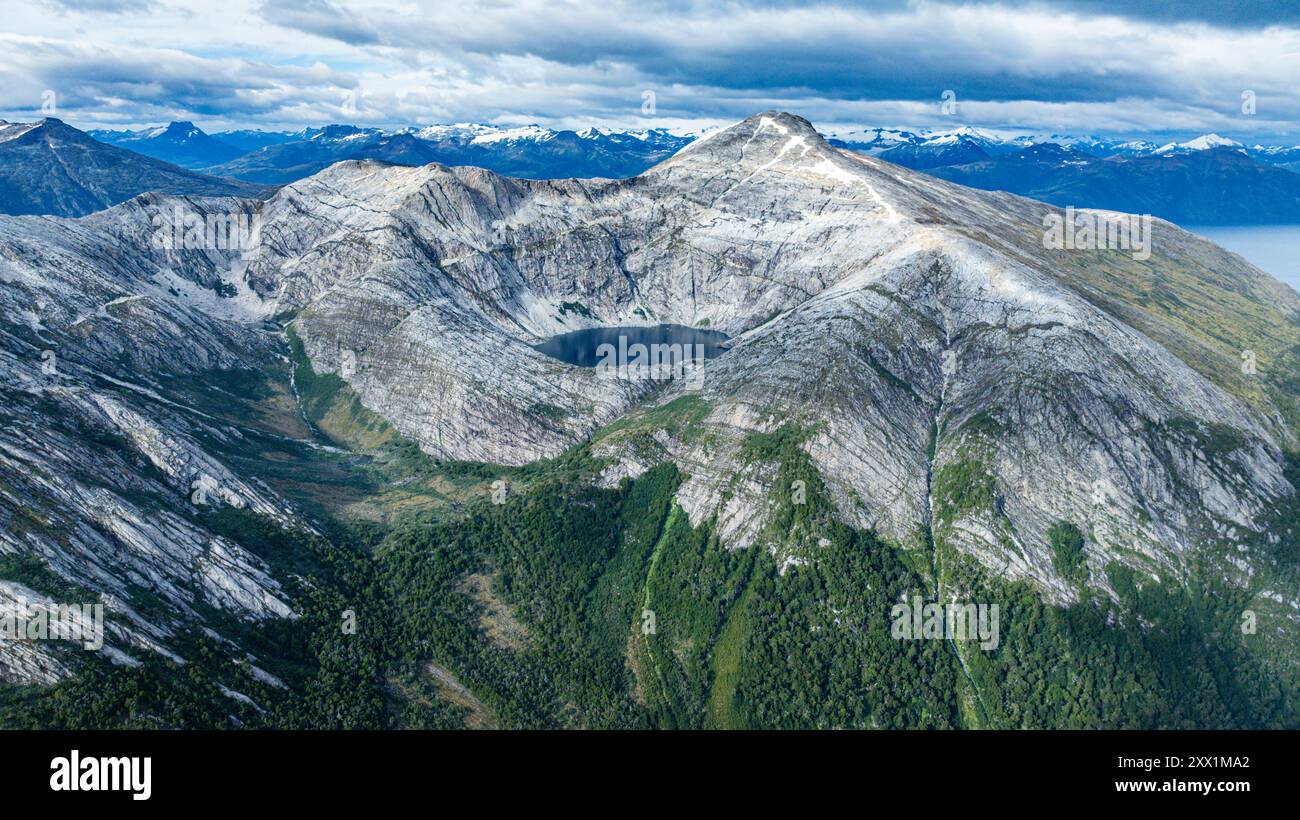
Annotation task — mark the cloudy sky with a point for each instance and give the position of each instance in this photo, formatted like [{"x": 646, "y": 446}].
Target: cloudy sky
[{"x": 1077, "y": 66}]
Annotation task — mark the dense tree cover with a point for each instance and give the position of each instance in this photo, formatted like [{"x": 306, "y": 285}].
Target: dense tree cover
[
  {"x": 333, "y": 680},
  {"x": 794, "y": 632},
  {"x": 820, "y": 652},
  {"x": 962, "y": 486},
  {"x": 32, "y": 573},
  {"x": 1068, "y": 556},
  {"x": 557, "y": 555},
  {"x": 1164, "y": 657}
]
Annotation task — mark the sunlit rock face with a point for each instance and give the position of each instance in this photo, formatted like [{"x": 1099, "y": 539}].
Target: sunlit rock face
[
  {"x": 916, "y": 331},
  {"x": 872, "y": 304}
]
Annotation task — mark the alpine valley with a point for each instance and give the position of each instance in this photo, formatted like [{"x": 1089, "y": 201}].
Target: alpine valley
[{"x": 323, "y": 478}]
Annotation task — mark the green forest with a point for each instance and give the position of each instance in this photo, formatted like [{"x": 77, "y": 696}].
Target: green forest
[
  {"x": 623, "y": 615},
  {"x": 573, "y": 605}
]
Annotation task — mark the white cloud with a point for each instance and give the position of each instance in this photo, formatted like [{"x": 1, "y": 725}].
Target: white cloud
[{"x": 288, "y": 62}]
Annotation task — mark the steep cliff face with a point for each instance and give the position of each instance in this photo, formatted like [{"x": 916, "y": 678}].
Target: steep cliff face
[
  {"x": 952, "y": 380},
  {"x": 104, "y": 466}
]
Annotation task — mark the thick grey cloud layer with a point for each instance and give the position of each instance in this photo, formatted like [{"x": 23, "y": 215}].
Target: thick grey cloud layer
[
  {"x": 1067, "y": 65},
  {"x": 321, "y": 18}
]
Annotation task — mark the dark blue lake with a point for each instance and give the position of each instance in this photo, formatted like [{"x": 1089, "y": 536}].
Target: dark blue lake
[{"x": 580, "y": 347}]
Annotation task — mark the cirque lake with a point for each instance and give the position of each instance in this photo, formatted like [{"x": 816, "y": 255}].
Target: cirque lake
[{"x": 580, "y": 347}]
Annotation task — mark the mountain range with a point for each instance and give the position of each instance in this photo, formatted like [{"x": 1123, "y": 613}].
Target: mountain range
[
  {"x": 1216, "y": 185},
  {"x": 49, "y": 167},
  {"x": 531, "y": 151},
  {"x": 180, "y": 143},
  {"x": 346, "y": 421},
  {"x": 1207, "y": 180}
]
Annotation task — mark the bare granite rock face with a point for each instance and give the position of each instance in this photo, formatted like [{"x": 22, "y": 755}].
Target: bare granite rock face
[
  {"x": 877, "y": 306},
  {"x": 100, "y": 471},
  {"x": 918, "y": 334}
]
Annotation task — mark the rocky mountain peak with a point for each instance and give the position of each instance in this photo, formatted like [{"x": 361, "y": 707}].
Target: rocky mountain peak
[
  {"x": 903, "y": 312},
  {"x": 181, "y": 130},
  {"x": 762, "y": 138},
  {"x": 51, "y": 127},
  {"x": 49, "y": 132},
  {"x": 770, "y": 162}
]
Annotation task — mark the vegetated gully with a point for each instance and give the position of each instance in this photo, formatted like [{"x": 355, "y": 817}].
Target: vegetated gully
[{"x": 936, "y": 421}]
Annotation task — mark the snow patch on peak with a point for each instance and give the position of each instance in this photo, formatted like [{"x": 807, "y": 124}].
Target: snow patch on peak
[
  {"x": 13, "y": 130},
  {"x": 527, "y": 132},
  {"x": 1202, "y": 143}
]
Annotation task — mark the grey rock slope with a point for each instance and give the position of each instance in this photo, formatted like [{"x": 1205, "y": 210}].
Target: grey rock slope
[
  {"x": 102, "y": 476},
  {"x": 916, "y": 332},
  {"x": 849, "y": 284}
]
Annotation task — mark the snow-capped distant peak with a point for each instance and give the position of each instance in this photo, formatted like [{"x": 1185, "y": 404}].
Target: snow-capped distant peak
[
  {"x": 1201, "y": 143},
  {"x": 334, "y": 131},
  {"x": 534, "y": 133},
  {"x": 1275, "y": 149},
  {"x": 951, "y": 138},
  {"x": 869, "y": 134},
  {"x": 460, "y": 130},
  {"x": 178, "y": 131},
  {"x": 595, "y": 132},
  {"x": 1211, "y": 141},
  {"x": 872, "y": 141},
  {"x": 670, "y": 137},
  {"x": 968, "y": 131},
  {"x": 1137, "y": 145},
  {"x": 479, "y": 133}
]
